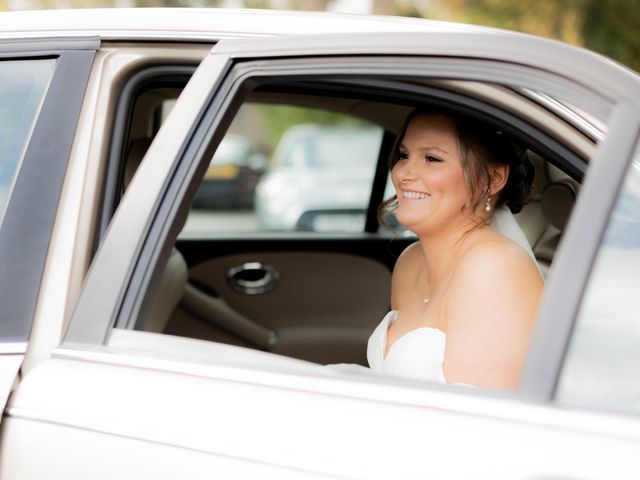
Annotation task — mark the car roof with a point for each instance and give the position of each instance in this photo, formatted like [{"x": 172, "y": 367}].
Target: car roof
[{"x": 206, "y": 24}]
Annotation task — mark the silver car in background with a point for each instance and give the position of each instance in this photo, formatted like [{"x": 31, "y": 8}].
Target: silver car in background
[{"x": 320, "y": 178}]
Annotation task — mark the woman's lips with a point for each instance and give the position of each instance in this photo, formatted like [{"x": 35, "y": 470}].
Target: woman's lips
[{"x": 413, "y": 195}]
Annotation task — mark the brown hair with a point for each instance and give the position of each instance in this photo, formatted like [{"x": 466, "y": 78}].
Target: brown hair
[{"x": 480, "y": 145}]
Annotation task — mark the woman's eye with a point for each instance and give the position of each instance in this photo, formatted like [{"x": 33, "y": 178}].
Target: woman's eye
[
  {"x": 403, "y": 155},
  {"x": 431, "y": 158}
]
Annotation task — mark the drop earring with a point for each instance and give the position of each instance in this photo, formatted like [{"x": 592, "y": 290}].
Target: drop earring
[{"x": 487, "y": 207}]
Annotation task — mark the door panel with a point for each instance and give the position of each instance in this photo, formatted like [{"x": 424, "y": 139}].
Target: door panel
[
  {"x": 322, "y": 307},
  {"x": 330, "y": 295},
  {"x": 127, "y": 416}
]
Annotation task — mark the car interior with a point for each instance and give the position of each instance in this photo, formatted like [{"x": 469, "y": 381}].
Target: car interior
[{"x": 317, "y": 295}]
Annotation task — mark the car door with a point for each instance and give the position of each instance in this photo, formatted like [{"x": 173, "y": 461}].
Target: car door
[
  {"x": 41, "y": 88},
  {"x": 163, "y": 405}
]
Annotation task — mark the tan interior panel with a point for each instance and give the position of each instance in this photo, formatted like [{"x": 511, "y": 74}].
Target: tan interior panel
[{"x": 323, "y": 307}]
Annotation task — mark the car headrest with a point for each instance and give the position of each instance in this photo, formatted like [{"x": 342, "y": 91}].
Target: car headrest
[{"x": 557, "y": 202}]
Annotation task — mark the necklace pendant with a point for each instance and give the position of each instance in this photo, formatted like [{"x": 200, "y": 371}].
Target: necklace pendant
[{"x": 425, "y": 300}]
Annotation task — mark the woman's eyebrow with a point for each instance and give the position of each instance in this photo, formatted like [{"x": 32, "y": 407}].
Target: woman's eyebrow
[
  {"x": 430, "y": 148},
  {"x": 426, "y": 148}
]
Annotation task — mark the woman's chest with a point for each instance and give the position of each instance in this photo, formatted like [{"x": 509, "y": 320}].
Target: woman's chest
[{"x": 415, "y": 314}]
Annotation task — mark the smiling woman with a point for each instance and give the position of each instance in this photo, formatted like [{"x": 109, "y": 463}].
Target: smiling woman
[{"x": 463, "y": 298}]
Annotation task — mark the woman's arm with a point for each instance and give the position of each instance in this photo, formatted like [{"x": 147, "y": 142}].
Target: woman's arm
[{"x": 492, "y": 306}]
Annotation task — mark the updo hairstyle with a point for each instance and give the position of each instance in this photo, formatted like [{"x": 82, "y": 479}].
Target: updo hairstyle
[{"x": 480, "y": 145}]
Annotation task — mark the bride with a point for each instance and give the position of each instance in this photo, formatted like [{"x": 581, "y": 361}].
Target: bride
[{"x": 464, "y": 297}]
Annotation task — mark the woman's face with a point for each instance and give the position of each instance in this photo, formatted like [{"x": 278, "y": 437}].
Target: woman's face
[{"x": 428, "y": 177}]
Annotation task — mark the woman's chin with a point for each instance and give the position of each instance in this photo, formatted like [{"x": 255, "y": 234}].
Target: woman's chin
[{"x": 409, "y": 220}]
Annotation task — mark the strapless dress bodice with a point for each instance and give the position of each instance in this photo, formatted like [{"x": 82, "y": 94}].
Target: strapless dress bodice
[{"x": 418, "y": 354}]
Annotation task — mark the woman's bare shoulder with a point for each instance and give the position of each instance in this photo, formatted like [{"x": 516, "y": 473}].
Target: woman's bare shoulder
[
  {"x": 493, "y": 255},
  {"x": 495, "y": 279},
  {"x": 494, "y": 296},
  {"x": 405, "y": 272}
]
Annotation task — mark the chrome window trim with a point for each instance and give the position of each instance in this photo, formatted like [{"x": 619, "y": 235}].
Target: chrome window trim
[{"x": 565, "y": 113}]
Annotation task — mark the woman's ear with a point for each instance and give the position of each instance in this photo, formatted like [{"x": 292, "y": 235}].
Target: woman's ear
[{"x": 498, "y": 175}]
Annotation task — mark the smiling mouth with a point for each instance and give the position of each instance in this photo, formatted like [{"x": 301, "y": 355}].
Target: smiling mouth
[{"x": 415, "y": 195}]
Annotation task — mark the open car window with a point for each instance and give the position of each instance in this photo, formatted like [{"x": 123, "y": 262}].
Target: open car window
[{"x": 296, "y": 163}]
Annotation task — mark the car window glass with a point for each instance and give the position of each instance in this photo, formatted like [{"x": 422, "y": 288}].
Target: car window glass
[
  {"x": 287, "y": 168},
  {"x": 603, "y": 362},
  {"x": 23, "y": 85}
]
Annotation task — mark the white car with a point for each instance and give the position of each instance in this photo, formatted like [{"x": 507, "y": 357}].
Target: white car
[
  {"x": 320, "y": 178},
  {"x": 130, "y": 349}
]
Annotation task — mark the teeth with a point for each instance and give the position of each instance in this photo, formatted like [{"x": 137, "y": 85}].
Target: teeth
[{"x": 414, "y": 195}]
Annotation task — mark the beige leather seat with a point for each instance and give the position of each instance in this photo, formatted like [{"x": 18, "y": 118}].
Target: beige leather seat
[
  {"x": 168, "y": 293},
  {"x": 545, "y": 218},
  {"x": 556, "y": 203}
]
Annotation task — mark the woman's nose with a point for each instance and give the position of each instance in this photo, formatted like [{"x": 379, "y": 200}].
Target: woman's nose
[{"x": 406, "y": 169}]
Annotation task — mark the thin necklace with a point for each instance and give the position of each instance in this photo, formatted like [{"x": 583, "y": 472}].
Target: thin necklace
[{"x": 449, "y": 269}]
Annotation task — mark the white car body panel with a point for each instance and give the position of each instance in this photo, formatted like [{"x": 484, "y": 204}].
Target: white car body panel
[
  {"x": 203, "y": 24},
  {"x": 288, "y": 424}
]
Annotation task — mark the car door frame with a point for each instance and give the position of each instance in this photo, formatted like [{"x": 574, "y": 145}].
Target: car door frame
[
  {"x": 127, "y": 262},
  {"x": 24, "y": 243}
]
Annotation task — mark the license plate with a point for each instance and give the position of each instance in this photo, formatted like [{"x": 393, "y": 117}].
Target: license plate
[{"x": 224, "y": 172}]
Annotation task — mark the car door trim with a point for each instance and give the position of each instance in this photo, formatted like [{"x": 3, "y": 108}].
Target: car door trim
[
  {"x": 577, "y": 253},
  {"x": 27, "y": 225}
]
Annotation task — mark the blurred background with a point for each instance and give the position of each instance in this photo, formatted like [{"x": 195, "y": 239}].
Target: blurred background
[
  {"x": 268, "y": 147},
  {"x": 611, "y": 27}
]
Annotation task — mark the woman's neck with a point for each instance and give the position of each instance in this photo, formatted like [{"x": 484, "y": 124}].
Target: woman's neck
[{"x": 441, "y": 250}]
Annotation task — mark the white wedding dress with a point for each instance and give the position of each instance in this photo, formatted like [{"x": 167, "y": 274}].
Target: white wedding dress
[{"x": 419, "y": 353}]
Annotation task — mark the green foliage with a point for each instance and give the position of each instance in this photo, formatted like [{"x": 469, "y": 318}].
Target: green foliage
[
  {"x": 548, "y": 18},
  {"x": 612, "y": 27},
  {"x": 281, "y": 117}
]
